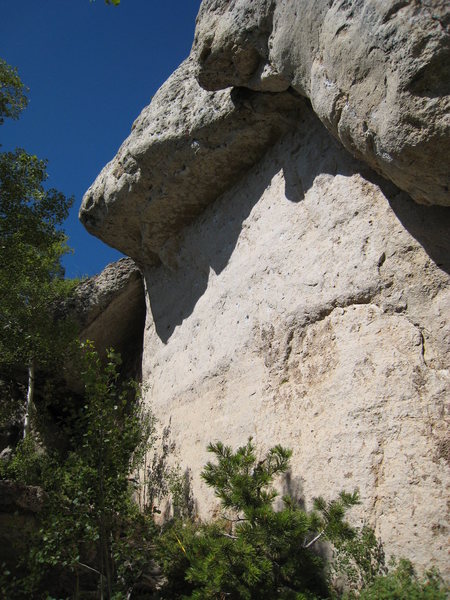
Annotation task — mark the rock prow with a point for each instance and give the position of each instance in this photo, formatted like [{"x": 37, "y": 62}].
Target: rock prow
[
  {"x": 93, "y": 295},
  {"x": 109, "y": 309},
  {"x": 185, "y": 149}
]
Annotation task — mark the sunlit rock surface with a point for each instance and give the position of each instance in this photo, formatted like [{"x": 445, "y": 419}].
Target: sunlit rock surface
[
  {"x": 377, "y": 74},
  {"x": 185, "y": 149},
  {"x": 293, "y": 294}
]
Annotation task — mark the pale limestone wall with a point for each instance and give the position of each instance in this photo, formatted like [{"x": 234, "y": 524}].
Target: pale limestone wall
[
  {"x": 292, "y": 294},
  {"x": 376, "y": 72},
  {"x": 309, "y": 307}
]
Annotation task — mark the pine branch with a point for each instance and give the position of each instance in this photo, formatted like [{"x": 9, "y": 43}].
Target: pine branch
[{"x": 318, "y": 536}]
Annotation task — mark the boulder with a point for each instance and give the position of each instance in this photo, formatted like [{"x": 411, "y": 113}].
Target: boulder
[
  {"x": 109, "y": 309},
  {"x": 17, "y": 497},
  {"x": 19, "y": 506}
]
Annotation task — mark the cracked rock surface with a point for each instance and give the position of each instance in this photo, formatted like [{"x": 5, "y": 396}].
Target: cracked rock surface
[
  {"x": 310, "y": 308},
  {"x": 377, "y": 74}
]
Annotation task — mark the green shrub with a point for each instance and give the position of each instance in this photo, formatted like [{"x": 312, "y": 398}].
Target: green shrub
[
  {"x": 403, "y": 584},
  {"x": 91, "y": 529},
  {"x": 252, "y": 551}
]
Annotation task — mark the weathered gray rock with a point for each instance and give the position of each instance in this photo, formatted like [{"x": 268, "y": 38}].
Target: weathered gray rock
[
  {"x": 109, "y": 309},
  {"x": 302, "y": 298},
  {"x": 185, "y": 149},
  {"x": 377, "y": 74}
]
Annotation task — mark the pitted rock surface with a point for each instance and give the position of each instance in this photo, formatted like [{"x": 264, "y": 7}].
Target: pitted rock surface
[
  {"x": 377, "y": 74},
  {"x": 185, "y": 149},
  {"x": 310, "y": 308},
  {"x": 293, "y": 294}
]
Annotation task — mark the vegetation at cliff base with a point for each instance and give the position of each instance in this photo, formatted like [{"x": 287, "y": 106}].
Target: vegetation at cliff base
[
  {"x": 93, "y": 539},
  {"x": 91, "y": 532}
]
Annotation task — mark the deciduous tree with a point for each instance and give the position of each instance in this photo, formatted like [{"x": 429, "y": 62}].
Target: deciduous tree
[{"x": 31, "y": 247}]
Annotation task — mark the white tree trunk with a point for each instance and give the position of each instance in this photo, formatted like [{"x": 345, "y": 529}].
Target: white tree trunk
[{"x": 30, "y": 398}]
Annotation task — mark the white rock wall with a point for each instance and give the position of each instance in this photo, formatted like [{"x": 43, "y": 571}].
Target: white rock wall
[{"x": 310, "y": 308}]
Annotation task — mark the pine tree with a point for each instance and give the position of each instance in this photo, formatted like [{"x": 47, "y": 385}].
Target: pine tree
[{"x": 254, "y": 551}]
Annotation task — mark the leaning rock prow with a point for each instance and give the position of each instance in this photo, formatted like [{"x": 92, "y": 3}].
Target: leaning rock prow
[{"x": 184, "y": 151}]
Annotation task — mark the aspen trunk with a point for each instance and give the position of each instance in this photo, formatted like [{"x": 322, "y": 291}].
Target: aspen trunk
[{"x": 30, "y": 398}]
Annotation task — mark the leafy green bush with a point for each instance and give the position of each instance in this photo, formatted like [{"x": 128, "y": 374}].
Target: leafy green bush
[
  {"x": 357, "y": 560},
  {"x": 92, "y": 537},
  {"x": 26, "y": 464},
  {"x": 91, "y": 528}
]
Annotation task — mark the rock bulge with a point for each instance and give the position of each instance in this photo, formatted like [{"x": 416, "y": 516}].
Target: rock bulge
[
  {"x": 377, "y": 74},
  {"x": 285, "y": 196}
]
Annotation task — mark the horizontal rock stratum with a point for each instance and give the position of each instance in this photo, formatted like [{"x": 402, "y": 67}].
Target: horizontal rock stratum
[{"x": 277, "y": 195}]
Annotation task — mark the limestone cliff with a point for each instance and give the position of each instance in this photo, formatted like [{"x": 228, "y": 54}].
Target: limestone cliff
[{"x": 297, "y": 287}]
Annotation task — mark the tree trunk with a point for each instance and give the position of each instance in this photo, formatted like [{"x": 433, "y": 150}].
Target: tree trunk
[{"x": 30, "y": 398}]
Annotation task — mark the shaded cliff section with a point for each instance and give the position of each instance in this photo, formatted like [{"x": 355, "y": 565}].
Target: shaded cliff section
[{"x": 107, "y": 309}]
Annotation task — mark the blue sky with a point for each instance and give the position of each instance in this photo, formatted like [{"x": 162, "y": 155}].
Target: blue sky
[{"x": 91, "y": 69}]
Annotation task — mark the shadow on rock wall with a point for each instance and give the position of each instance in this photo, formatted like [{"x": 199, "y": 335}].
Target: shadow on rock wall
[{"x": 302, "y": 155}]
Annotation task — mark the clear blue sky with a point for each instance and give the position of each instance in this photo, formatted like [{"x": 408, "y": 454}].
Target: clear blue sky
[{"x": 91, "y": 69}]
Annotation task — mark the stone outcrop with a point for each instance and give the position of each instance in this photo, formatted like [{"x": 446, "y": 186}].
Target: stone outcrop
[
  {"x": 177, "y": 161},
  {"x": 109, "y": 310},
  {"x": 377, "y": 74},
  {"x": 293, "y": 293}
]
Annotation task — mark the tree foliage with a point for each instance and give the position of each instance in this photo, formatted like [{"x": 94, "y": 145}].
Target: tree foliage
[
  {"x": 91, "y": 528},
  {"x": 31, "y": 247},
  {"x": 13, "y": 97},
  {"x": 402, "y": 583},
  {"x": 253, "y": 550}
]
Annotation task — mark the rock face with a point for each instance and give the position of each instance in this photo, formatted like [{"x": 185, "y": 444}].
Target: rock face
[
  {"x": 377, "y": 74},
  {"x": 110, "y": 310},
  {"x": 309, "y": 310},
  {"x": 304, "y": 300},
  {"x": 176, "y": 162}
]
